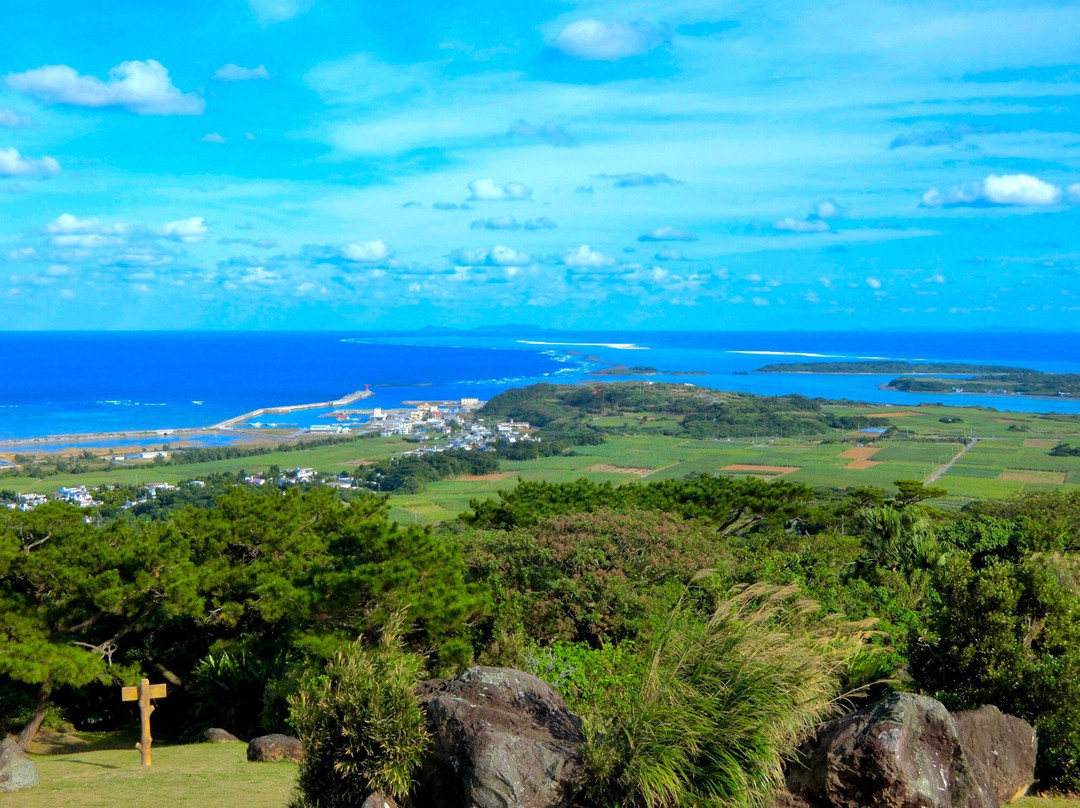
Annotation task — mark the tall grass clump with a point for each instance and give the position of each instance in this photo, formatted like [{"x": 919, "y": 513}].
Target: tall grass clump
[
  {"x": 710, "y": 708},
  {"x": 361, "y": 724}
]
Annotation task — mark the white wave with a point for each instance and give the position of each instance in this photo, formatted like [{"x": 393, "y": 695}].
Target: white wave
[
  {"x": 791, "y": 353},
  {"x": 617, "y": 346}
]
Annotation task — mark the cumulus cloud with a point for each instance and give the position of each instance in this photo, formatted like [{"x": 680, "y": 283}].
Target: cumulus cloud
[
  {"x": 231, "y": 72},
  {"x": 1074, "y": 192},
  {"x": 1022, "y": 190},
  {"x": 367, "y": 252},
  {"x": 873, "y": 283},
  {"x": 497, "y": 223},
  {"x": 585, "y": 256},
  {"x": 669, "y": 254},
  {"x": 597, "y": 40},
  {"x": 142, "y": 87},
  {"x": 790, "y": 224},
  {"x": 668, "y": 234},
  {"x": 543, "y": 223},
  {"x": 497, "y": 256},
  {"x": 827, "y": 209},
  {"x": 487, "y": 190},
  {"x": 635, "y": 179},
  {"x": 13, "y": 164},
  {"x": 66, "y": 224},
  {"x": 187, "y": 231},
  {"x": 548, "y": 132},
  {"x": 12, "y": 120},
  {"x": 212, "y": 137}
]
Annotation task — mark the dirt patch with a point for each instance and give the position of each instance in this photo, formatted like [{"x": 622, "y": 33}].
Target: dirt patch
[
  {"x": 360, "y": 462},
  {"x": 860, "y": 457},
  {"x": 1040, "y": 443},
  {"x": 755, "y": 469},
  {"x": 498, "y": 475},
  {"x": 609, "y": 469},
  {"x": 899, "y": 414},
  {"x": 1029, "y": 476}
]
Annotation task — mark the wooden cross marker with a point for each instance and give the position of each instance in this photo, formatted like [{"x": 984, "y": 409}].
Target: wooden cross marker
[{"x": 142, "y": 694}]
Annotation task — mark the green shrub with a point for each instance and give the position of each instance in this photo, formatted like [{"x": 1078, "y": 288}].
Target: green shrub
[
  {"x": 703, "y": 714},
  {"x": 361, "y": 724}
]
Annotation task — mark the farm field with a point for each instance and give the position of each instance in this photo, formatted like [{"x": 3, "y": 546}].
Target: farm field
[{"x": 1011, "y": 455}]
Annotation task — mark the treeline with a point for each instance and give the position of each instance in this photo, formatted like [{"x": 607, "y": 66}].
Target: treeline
[
  {"x": 570, "y": 410},
  {"x": 1023, "y": 382},
  {"x": 410, "y": 474},
  {"x": 239, "y": 599}
]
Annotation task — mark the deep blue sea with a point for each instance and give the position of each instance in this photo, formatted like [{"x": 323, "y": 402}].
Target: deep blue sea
[{"x": 69, "y": 382}]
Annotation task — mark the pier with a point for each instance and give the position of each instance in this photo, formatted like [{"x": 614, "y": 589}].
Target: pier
[{"x": 318, "y": 405}]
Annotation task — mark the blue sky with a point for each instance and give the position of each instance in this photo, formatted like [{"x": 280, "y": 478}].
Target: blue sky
[{"x": 331, "y": 164}]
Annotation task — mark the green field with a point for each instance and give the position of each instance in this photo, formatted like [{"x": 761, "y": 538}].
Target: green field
[
  {"x": 1011, "y": 456},
  {"x": 191, "y": 776}
]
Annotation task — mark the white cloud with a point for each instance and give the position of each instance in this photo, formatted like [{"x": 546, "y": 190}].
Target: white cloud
[
  {"x": 22, "y": 254},
  {"x": 584, "y": 256},
  {"x": 596, "y": 40},
  {"x": 212, "y": 137},
  {"x": 497, "y": 223},
  {"x": 792, "y": 225},
  {"x": 497, "y": 256},
  {"x": 367, "y": 252},
  {"x": 188, "y": 231},
  {"x": 12, "y": 120},
  {"x": 13, "y": 164},
  {"x": 668, "y": 234},
  {"x": 997, "y": 189},
  {"x": 231, "y": 72},
  {"x": 669, "y": 254},
  {"x": 873, "y": 283},
  {"x": 66, "y": 223},
  {"x": 827, "y": 209},
  {"x": 1074, "y": 192},
  {"x": 87, "y": 241},
  {"x": 543, "y": 223},
  {"x": 142, "y": 87},
  {"x": 278, "y": 10},
  {"x": 487, "y": 190},
  {"x": 1019, "y": 189}
]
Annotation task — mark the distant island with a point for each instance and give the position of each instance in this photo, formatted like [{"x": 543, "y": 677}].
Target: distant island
[
  {"x": 927, "y": 377},
  {"x": 883, "y": 367},
  {"x": 642, "y": 370}
]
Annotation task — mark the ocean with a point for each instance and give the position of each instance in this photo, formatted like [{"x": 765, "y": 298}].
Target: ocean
[{"x": 74, "y": 383}]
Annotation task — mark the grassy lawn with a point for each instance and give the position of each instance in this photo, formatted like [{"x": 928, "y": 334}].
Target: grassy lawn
[
  {"x": 193, "y": 776},
  {"x": 189, "y": 776}
]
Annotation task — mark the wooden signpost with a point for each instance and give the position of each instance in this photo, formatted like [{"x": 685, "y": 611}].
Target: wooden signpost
[{"x": 142, "y": 694}]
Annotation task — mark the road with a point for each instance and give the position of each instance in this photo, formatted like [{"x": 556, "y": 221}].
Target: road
[{"x": 941, "y": 470}]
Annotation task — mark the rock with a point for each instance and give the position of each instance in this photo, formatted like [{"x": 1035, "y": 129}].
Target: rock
[
  {"x": 218, "y": 735},
  {"x": 1004, "y": 744},
  {"x": 502, "y": 738},
  {"x": 902, "y": 752},
  {"x": 272, "y": 748},
  {"x": 378, "y": 800},
  {"x": 17, "y": 771}
]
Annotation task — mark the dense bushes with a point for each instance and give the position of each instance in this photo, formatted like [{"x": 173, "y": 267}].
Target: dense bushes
[
  {"x": 361, "y": 725},
  {"x": 701, "y": 713}
]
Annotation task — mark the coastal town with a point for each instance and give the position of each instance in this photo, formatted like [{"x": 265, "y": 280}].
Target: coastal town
[{"x": 435, "y": 426}]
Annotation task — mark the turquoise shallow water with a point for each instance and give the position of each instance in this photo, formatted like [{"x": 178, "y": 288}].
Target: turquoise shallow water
[{"x": 70, "y": 382}]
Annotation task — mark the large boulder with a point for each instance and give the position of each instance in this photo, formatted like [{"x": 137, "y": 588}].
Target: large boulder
[
  {"x": 502, "y": 739},
  {"x": 218, "y": 735},
  {"x": 379, "y": 800},
  {"x": 902, "y": 752},
  {"x": 275, "y": 747},
  {"x": 17, "y": 771},
  {"x": 1004, "y": 745}
]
